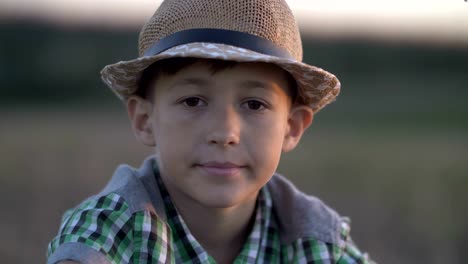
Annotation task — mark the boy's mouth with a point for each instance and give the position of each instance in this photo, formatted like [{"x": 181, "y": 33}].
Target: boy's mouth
[{"x": 220, "y": 168}]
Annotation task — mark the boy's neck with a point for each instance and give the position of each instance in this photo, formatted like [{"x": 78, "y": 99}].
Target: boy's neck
[{"x": 221, "y": 231}]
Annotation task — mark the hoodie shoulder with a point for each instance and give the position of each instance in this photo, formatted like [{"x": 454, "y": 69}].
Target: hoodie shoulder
[{"x": 300, "y": 215}]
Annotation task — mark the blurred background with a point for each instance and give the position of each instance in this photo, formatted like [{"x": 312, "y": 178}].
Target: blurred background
[{"x": 391, "y": 153}]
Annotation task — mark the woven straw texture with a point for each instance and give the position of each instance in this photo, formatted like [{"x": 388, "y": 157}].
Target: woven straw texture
[{"x": 269, "y": 19}]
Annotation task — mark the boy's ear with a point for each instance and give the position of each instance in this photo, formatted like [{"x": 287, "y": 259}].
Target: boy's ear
[
  {"x": 139, "y": 111},
  {"x": 300, "y": 118}
]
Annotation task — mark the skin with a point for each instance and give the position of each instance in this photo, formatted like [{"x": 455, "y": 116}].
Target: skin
[{"x": 218, "y": 139}]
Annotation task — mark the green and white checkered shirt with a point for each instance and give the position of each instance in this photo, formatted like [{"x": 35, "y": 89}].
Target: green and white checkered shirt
[{"x": 111, "y": 229}]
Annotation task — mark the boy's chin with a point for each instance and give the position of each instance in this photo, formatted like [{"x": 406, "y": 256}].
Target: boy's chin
[{"x": 223, "y": 200}]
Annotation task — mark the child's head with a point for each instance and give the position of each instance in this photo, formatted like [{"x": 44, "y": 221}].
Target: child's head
[{"x": 220, "y": 90}]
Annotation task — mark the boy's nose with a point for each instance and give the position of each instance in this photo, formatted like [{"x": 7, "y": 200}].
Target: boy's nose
[{"x": 224, "y": 128}]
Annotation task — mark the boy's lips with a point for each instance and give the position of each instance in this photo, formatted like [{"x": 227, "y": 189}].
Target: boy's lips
[{"x": 220, "y": 168}]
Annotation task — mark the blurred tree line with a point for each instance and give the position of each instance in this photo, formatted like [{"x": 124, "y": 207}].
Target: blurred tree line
[{"x": 41, "y": 64}]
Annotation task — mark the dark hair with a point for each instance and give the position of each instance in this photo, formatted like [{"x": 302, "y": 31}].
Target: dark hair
[{"x": 173, "y": 65}]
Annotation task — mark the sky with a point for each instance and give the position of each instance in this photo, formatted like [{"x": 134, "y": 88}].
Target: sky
[{"x": 423, "y": 20}]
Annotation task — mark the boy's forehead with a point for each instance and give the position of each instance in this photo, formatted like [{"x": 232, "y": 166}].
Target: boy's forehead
[
  {"x": 254, "y": 73},
  {"x": 243, "y": 75},
  {"x": 247, "y": 82}
]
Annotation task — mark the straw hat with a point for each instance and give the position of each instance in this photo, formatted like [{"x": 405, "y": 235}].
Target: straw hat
[{"x": 235, "y": 30}]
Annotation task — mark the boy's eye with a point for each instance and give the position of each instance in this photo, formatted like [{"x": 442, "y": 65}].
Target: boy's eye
[
  {"x": 193, "y": 102},
  {"x": 254, "y": 105}
]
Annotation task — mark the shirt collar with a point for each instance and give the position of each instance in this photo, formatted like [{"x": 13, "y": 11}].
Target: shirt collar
[{"x": 260, "y": 242}]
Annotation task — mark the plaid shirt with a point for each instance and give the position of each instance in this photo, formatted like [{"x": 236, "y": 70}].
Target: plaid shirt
[{"x": 106, "y": 225}]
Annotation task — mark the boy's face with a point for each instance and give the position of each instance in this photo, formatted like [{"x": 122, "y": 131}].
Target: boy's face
[{"x": 219, "y": 136}]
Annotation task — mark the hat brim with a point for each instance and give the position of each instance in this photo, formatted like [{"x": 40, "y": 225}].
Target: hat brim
[{"x": 316, "y": 87}]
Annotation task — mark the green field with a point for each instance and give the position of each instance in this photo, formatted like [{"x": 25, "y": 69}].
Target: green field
[{"x": 403, "y": 189}]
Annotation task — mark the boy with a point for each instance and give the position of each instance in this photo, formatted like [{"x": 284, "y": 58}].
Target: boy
[{"x": 219, "y": 91}]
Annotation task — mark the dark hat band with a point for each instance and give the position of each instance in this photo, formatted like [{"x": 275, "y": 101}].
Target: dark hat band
[{"x": 219, "y": 36}]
